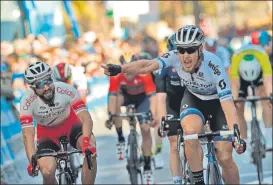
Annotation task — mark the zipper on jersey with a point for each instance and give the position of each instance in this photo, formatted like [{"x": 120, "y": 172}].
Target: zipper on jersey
[{"x": 192, "y": 77}]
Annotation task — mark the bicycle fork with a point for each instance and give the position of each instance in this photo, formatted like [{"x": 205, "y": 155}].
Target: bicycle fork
[{"x": 212, "y": 161}]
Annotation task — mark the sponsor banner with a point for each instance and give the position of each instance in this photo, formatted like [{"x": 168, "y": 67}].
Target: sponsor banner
[{"x": 10, "y": 127}]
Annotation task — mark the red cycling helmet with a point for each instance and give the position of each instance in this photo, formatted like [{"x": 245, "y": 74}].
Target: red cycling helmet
[{"x": 62, "y": 72}]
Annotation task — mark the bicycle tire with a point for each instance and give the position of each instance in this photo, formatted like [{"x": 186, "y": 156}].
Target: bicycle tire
[
  {"x": 73, "y": 168},
  {"x": 65, "y": 179},
  {"x": 187, "y": 174},
  {"x": 133, "y": 160},
  {"x": 257, "y": 154},
  {"x": 213, "y": 174}
]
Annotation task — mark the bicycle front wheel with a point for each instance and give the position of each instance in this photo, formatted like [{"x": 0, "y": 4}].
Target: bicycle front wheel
[
  {"x": 214, "y": 176},
  {"x": 257, "y": 153},
  {"x": 132, "y": 166},
  {"x": 65, "y": 179},
  {"x": 187, "y": 174},
  {"x": 188, "y": 177}
]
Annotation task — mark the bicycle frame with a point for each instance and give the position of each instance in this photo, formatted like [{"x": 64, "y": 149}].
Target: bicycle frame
[
  {"x": 133, "y": 162},
  {"x": 63, "y": 162},
  {"x": 212, "y": 160},
  {"x": 257, "y": 138}
]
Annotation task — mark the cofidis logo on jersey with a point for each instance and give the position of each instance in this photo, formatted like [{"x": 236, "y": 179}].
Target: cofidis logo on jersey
[
  {"x": 65, "y": 91},
  {"x": 29, "y": 101},
  {"x": 214, "y": 68}
]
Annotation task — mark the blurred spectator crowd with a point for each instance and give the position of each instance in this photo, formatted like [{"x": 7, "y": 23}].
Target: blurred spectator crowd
[{"x": 87, "y": 52}]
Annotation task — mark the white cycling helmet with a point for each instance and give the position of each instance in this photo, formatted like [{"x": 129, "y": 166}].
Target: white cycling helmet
[
  {"x": 37, "y": 71},
  {"x": 189, "y": 36},
  {"x": 249, "y": 68}
]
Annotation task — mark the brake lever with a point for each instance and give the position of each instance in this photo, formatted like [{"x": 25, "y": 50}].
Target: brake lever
[
  {"x": 162, "y": 125},
  {"x": 89, "y": 158},
  {"x": 34, "y": 164},
  {"x": 110, "y": 116},
  {"x": 237, "y": 136},
  {"x": 179, "y": 139}
]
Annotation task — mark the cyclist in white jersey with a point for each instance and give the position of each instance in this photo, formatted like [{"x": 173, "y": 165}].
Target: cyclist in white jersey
[
  {"x": 59, "y": 111},
  {"x": 208, "y": 93}
]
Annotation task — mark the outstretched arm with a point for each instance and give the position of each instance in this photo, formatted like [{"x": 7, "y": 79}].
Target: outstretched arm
[
  {"x": 136, "y": 67},
  {"x": 140, "y": 67}
]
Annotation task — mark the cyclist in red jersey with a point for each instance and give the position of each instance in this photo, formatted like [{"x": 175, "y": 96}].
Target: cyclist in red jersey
[
  {"x": 139, "y": 90},
  {"x": 59, "y": 111},
  {"x": 66, "y": 73}
]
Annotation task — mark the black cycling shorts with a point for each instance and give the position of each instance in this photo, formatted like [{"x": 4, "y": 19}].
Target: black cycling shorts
[
  {"x": 141, "y": 102},
  {"x": 173, "y": 104},
  {"x": 244, "y": 85},
  {"x": 192, "y": 105}
]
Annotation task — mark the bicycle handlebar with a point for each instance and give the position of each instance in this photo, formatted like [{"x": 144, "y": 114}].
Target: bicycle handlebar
[
  {"x": 253, "y": 99},
  {"x": 206, "y": 135},
  {"x": 35, "y": 157},
  {"x": 235, "y": 133},
  {"x": 130, "y": 114},
  {"x": 57, "y": 154}
]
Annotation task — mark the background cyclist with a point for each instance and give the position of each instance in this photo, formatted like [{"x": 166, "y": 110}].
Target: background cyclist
[{"x": 125, "y": 89}]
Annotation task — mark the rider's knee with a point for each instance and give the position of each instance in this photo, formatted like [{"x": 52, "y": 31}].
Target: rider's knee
[
  {"x": 187, "y": 130},
  {"x": 48, "y": 171},
  {"x": 192, "y": 124},
  {"x": 225, "y": 160},
  {"x": 240, "y": 108}
]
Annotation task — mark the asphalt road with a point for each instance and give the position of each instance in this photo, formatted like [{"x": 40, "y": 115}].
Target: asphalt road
[{"x": 113, "y": 171}]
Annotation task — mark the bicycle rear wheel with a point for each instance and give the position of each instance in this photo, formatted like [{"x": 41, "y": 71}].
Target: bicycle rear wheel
[
  {"x": 213, "y": 174},
  {"x": 132, "y": 166},
  {"x": 257, "y": 152}
]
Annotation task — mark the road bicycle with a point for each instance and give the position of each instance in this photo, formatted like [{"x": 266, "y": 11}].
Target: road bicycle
[
  {"x": 133, "y": 152},
  {"x": 65, "y": 173},
  {"x": 213, "y": 171},
  {"x": 257, "y": 139}
]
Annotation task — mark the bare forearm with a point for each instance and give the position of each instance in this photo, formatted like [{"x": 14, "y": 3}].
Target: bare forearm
[
  {"x": 235, "y": 85},
  {"x": 87, "y": 123},
  {"x": 230, "y": 113},
  {"x": 153, "y": 106},
  {"x": 140, "y": 67},
  {"x": 268, "y": 85},
  {"x": 112, "y": 102},
  {"x": 161, "y": 110},
  {"x": 28, "y": 137}
]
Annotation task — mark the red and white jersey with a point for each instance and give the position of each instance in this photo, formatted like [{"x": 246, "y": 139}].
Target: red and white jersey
[{"x": 33, "y": 108}]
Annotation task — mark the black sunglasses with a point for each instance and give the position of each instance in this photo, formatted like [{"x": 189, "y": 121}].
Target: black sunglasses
[
  {"x": 42, "y": 83},
  {"x": 189, "y": 50}
]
